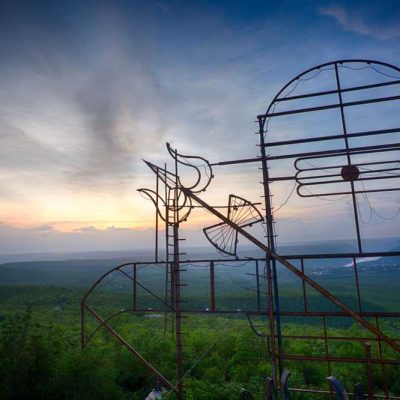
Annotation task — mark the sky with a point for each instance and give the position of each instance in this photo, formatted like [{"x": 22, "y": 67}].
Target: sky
[{"x": 89, "y": 89}]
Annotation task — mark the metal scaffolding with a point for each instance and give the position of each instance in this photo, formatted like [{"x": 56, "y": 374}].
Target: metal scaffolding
[{"x": 348, "y": 162}]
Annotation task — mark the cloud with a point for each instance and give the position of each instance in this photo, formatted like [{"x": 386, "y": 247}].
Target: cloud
[
  {"x": 358, "y": 21},
  {"x": 44, "y": 238},
  {"x": 78, "y": 109},
  {"x": 86, "y": 229},
  {"x": 19, "y": 151},
  {"x": 43, "y": 228}
]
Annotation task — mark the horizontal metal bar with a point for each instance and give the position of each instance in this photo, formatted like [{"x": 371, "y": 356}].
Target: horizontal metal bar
[
  {"x": 339, "y": 152},
  {"x": 344, "y": 255},
  {"x": 282, "y": 178},
  {"x": 340, "y": 359},
  {"x": 329, "y": 393},
  {"x": 242, "y": 161},
  {"x": 324, "y": 153},
  {"x": 334, "y": 338},
  {"x": 332, "y": 137},
  {"x": 371, "y": 178},
  {"x": 345, "y": 90},
  {"x": 303, "y": 314},
  {"x": 329, "y": 107},
  {"x": 288, "y": 256},
  {"x": 336, "y": 166},
  {"x": 300, "y": 178},
  {"x": 345, "y": 193},
  {"x": 367, "y": 314}
]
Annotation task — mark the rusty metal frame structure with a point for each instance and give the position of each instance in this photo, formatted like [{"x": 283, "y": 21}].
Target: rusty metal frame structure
[{"x": 345, "y": 171}]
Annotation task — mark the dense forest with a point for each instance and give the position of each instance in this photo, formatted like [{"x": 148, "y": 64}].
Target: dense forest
[
  {"x": 40, "y": 355},
  {"x": 41, "y": 358}
]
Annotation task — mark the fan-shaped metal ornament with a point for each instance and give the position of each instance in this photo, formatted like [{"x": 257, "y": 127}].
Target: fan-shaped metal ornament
[{"x": 222, "y": 236}]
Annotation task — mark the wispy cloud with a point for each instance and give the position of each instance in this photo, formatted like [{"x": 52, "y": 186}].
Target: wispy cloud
[
  {"x": 360, "y": 21},
  {"x": 46, "y": 238}
]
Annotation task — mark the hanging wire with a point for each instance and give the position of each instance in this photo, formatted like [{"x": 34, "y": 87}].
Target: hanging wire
[
  {"x": 370, "y": 67},
  {"x": 286, "y": 200},
  {"x": 383, "y": 172},
  {"x": 374, "y": 211},
  {"x": 353, "y": 68},
  {"x": 384, "y": 73},
  {"x": 368, "y": 203}
]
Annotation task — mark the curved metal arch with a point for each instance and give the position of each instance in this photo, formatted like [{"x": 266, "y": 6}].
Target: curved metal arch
[
  {"x": 98, "y": 281},
  {"x": 318, "y": 67},
  {"x": 180, "y": 157},
  {"x": 153, "y": 196},
  {"x": 90, "y": 290}
]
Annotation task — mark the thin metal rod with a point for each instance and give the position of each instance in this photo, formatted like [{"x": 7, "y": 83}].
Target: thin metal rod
[
  {"x": 320, "y": 154},
  {"x": 120, "y": 339},
  {"x": 83, "y": 335},
  {"x": 373, "y": 361},
  {"x": 287, "y": 256},
  {"x": 383, "y": 366},
  {"x": 212, "y": 286},
  {"x": 134, "y": 290},
  {"x": 326, "y": 344},
  {"x": 271, "y": 321},
  {"x": 177, "y": 290},
  {"x": 357, "y": 284},
  {"x": 309, "y": 314},
  {"x": 370, "y": 378},
  {"x": 156, "y": 230},
  {"x": 304, "y": 287},
  {"x": 273, "y": 304},
  {"x": 166, "y": 283},
  {"x": 258, "y": 288},
  {"x": 346, "y": 140},
  {"x": 317, "y": 391}
]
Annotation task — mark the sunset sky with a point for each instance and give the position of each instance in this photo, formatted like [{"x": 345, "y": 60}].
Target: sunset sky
[{"x": 90, "y": 88}]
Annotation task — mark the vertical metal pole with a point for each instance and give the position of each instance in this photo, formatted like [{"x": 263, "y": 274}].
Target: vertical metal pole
[
  {"x": 134, "y": 294},
  {"x": 357, "y": 284},
  {"x": 212, "y": 286},
  {"x": 82, "y": 326},
  {"x": 166, "y": 198},
  {"x": 383, "y": 366},
  {"x": 304, "y": 287},
  {"x": 156, "y": 233},
  {"x": 346, "y": 140},
  {"x": 369, "y": 371},
  {"x": 258, "y": 287},
  {"x": 326, "y": 345},
  {"x": 271, "y": 320},
  {"x": 177, "y": 286},
  {"x": 271, "y": 244}
]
